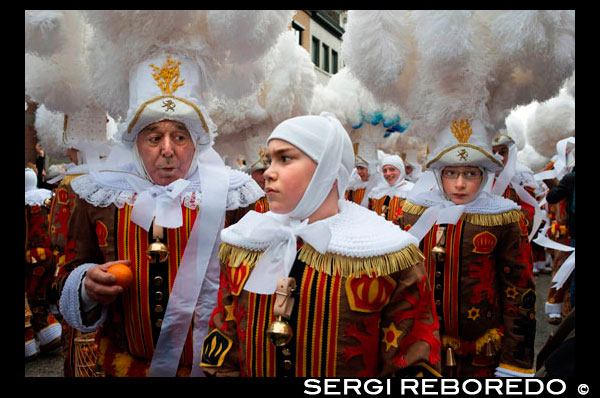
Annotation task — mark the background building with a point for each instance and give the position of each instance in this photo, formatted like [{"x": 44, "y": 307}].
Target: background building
[{"x": 320, "y": 33}]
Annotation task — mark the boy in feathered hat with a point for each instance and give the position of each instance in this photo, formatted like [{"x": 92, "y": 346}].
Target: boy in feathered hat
[
  {"x": 477, "y": 255},
  {"x": 160, "y": 212},
  {"x": 294, "y": 298}
]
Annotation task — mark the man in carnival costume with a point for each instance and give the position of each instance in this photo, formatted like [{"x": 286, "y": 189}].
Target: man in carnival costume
[
  {"x": 293, "y": 298},
  {"x": 156, "y": 205}
]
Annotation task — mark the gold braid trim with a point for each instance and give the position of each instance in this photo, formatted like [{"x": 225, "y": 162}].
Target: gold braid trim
[
  {"x": 329, "y": 263},
  {"x": 237, "y": 255},
  {"x": 345, "y": 266},
  {"x": 485, "y": 220}
]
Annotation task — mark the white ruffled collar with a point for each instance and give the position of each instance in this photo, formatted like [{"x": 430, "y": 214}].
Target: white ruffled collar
[
  {"x": 104, "y": 188},
  {"x": 37, "y": 197},
  {"x": 484, "y": 203},
  {"x": 355, "y": 232}
]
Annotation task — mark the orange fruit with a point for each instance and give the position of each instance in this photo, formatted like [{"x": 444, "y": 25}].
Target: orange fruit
[{"x": 123, "y": 274}]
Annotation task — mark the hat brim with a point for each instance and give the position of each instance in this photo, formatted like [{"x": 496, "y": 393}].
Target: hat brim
[{"x": 465, "y": 155}]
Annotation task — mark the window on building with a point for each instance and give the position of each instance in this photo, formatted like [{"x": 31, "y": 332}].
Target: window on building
[
  {"x": 334, "y": 62},
  {"x": 315, "y": 49},
  {"x": 298, "y": 29},
  {"x": 325, "y": 58}
]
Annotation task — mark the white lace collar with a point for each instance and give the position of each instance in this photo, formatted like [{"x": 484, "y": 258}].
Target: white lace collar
[
  {"x": 355, "y": 232},
  {"x": 400, "y": 190},
  {"x": 106, "y": 188},
  {"x": 36, "y": 197}
]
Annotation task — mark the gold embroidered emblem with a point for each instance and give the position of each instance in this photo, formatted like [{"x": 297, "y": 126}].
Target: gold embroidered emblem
[
  {"x": 216, "y": 346},
  {"x": 474, "y": 313},
  {"x": 229, "y": 312},
  {"x": 462, "y": 155},
  {"x": 169, "y": 105},
  {"x": 511, "y": 293},
  {"x": 462, "y": 130},
  {"x": 167, "y": 76},
  {"x": 390, "y": 336}
]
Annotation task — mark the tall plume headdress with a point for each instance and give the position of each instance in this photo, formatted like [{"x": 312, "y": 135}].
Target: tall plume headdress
[{"x": 444, "y": 67}]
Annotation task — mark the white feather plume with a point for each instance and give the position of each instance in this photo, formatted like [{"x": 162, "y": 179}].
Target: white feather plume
[
  {"x": 45, "y": 32},
  {"x": 60, "y": 80},
  {"x": 552, "y": 121}
]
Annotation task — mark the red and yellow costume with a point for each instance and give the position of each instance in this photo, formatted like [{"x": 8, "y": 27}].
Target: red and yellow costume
[{"x": 483, "y": 291}]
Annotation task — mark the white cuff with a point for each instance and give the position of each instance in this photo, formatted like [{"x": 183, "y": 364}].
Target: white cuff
[
  {"x": 554, "y": 309},
  {"x": 70, "y": 304}
]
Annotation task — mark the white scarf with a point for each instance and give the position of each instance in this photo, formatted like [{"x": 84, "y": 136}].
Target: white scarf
[{"x": 443, "y": 211}]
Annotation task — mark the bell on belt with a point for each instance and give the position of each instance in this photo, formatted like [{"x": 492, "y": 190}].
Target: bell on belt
[
  {"x": 490, "y": 350},
  {"x": 157, "y": 252},
  {"x": 48, "y": 202},
  {"x": 439, "y": 253},
  {"x": 450, "y": 359},
  {"x": 439, "y": 250},
  {"x": 280, "y": 332}
]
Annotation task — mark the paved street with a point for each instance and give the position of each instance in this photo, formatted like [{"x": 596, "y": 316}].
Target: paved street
[{"x": 50, "y": 364}]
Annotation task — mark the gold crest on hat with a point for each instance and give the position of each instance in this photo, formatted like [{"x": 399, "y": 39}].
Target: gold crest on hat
[
  {"x": 462, "y": 130},
  {"x": 167, "y": 76}
]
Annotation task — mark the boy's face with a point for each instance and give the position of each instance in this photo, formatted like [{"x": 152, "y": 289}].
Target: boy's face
[
  {"x": 461, "y": 183},
  {"x": 287, "y": 177}
]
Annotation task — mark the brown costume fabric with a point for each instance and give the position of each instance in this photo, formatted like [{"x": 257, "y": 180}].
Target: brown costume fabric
[
  {"x": 127, "y": 339},
  {"x": 357, "y": 325}
]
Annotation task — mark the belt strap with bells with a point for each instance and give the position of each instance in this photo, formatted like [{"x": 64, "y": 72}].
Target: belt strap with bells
[{"x": 280, "y": 332}]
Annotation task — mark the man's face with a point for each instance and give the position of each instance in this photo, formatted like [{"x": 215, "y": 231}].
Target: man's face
[
  {"x": 287, "y": 177},
  {"x": 408, "y": 168},
  {"x": 391, "y": 174},
  {"x": 363, "y": 173},
  {"x": 461, "y": 183},
  {"x": 167, "y": 150},
  {"x": 503, "y": 151},
  {"x": 257, "y": 175}
]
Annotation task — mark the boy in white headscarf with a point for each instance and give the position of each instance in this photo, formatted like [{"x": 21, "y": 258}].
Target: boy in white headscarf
[
  {"x": 477, "y": 257},
  {"x": 387, "y": 198},
  {"x": 293, "y": 296}
]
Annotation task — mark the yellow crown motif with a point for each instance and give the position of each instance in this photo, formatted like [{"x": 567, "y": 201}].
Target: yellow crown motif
[
  {"x": 167, "y": 76},
  {"x": 462, "y": 130}
]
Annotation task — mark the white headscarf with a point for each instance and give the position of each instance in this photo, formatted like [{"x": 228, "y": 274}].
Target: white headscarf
[
  {"x": 324, "y": 140},
  {"x": 400, "y": 188}
]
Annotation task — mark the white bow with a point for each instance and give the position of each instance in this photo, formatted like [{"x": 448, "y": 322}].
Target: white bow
[
  {"x": 444, "y": 213},
  {"x": 279, "y": 257},
  {"x": 160, "y": 202}
]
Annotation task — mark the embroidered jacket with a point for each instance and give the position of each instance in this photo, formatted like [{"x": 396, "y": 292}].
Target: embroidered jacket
[
  {"x": 356, "y": 195},
  {"x": 484, "y": 291},
  {"x": 352, "y": 316},
  {"x": 129, "y": 333},
  {"x": 388, "y": 207}
]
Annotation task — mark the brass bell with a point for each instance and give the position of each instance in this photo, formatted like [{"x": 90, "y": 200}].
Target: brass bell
[
  {"x": 48, "y": 202},
  {"x": 280, "y": 332},
  {"x": 439, "y": 253},
  {"x": 157, "y": 252},
  {"x": 490, "y": 350},
  {"x": 450, "y": 358}
]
